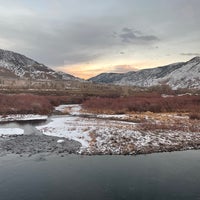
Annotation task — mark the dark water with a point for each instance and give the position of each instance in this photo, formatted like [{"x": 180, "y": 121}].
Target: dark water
[{"x": 157, "y": 176}]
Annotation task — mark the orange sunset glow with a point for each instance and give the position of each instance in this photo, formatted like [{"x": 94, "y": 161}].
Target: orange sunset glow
[{"x": 89, "y": 70}]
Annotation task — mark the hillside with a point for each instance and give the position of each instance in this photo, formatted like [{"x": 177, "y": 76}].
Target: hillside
[
  {"x": 14, "y": 65},
  {"x": 177, "y": 75}
]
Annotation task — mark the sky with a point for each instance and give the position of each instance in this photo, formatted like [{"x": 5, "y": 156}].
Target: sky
[{"x": 87, "y": 37}]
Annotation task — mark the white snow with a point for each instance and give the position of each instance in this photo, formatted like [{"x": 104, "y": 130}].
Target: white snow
[
  {"x": 104, "y": 116},
  {"x": 187, "y": 76},
  {"x": 166, "y": 95},
  {"x": 60, "y": 141},
  {"x": 11, "y": 131},
  {"x": 21, "y": 65},
  {"x": 73, "y": 109},
  {"x": 22, "y": 117},
  {"x": 80, "y": 129},
  {"x": 69, "y": 127},
  {"x": 104, "y": 135}
]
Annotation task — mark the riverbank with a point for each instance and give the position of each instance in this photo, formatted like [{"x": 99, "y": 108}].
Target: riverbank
[
  {"x": 22, "y": 118},
  {"x": 35, "y": 144},
  {"x": 80, "y": 132}
]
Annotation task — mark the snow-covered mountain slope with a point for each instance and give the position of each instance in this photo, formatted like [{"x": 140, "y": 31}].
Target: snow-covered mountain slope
[
  {"x": 107, "y": 78},
  {"x": 16, "y": 65},
  {"x": 178, "y": 75}
]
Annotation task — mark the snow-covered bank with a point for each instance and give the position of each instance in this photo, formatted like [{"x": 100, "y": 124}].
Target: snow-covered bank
[
  {"x": 72, "y": 128},
  {"x": 11, "y": 131},
  {"x": 112, "y": 134},
  {"x": 84, "y": 130},
  {"x": 22, "y": 117},
  {"x": 105, "y": 116},
  {"x": 101, "y": 136}
]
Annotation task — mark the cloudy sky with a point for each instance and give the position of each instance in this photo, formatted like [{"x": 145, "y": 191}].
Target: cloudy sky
[{"x": 87, "y": 37}]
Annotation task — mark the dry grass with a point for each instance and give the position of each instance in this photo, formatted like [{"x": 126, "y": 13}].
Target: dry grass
[
  {"x": 168, "y": 122},
  {"x": 157, "y": 127}
]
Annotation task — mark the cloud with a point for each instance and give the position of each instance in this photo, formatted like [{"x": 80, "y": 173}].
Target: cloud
[
  {"x": 87, "y": 71},
  {"x": 190, "y": 54},
  {"x": 65, "y": 38},
  {"x": 56, "y": 45},
  {"x": 82, "y": 71},
  {"x": 128, "y": 35},
  {"x": 67, "y": 43},
  {"x": 77, "y": 32}
]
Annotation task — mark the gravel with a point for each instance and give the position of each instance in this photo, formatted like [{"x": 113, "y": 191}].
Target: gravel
[{"x": 36, "y": 143}]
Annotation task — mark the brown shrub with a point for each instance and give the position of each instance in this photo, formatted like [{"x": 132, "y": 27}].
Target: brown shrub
[
  {"x": 30, "y": 104},
  {"x": 157, "y": 127},
  {"x": 24, "y": 104},
  {"x": 194, "y": 116},
  {"x": 143, "y": 103}
]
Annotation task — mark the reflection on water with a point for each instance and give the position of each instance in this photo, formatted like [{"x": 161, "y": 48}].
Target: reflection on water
[
  {"x": 27, "y": 126},
  {"x": 157, "y": 176}
]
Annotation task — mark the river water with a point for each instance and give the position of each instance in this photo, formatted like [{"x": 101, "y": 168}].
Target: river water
[{"x": 157, "y": 176}]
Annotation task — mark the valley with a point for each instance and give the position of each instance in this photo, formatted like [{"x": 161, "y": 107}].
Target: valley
[
  {"x": 101, "y": 116},
  {"x": 101, "y": 134}
]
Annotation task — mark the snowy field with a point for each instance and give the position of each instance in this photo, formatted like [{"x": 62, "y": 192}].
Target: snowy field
[
  {"x": 100, "y": 135},
  {"x": 108, "y": 134}
]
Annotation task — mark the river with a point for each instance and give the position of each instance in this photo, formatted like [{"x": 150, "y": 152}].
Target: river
[{"x": 160, "y": 176}]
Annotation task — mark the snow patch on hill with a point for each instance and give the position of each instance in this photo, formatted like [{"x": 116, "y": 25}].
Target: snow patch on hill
[
  {"x": 24, "y": 67},
  {"x": 177, "y": 75}
]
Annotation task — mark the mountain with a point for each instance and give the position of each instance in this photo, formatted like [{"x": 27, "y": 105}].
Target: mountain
[
  {"x": 177, "y": 75},
  {"x": 107, "y": 78},
  {"x": 14, "y": 65}
]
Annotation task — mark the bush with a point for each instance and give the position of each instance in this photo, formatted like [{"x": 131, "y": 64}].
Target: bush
[
  {"x": 194, "y": 116},
  {"x": 30, "y": 104},
  {"x": 143, "y": 103},
  {"x": 24, "y": 104},
  {"x": 160, "y": 127}
]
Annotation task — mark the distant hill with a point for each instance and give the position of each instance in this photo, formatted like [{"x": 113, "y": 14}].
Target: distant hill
[
  {"x": 177, "y": 75},
  {"x": 14, "y": 65}
]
